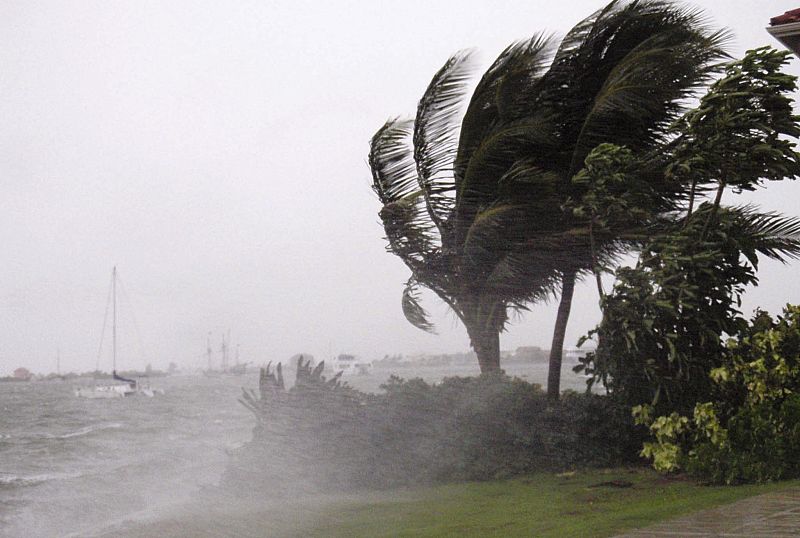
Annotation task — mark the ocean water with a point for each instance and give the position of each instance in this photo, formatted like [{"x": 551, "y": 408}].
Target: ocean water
[
  {"x": 76, "y": 467},
  {"x": 71, "y": 466}
]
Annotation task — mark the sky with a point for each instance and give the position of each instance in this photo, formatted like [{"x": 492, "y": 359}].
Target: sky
[{"x": 215, "y": 152}]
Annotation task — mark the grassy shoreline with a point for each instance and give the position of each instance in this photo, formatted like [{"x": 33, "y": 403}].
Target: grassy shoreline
[
  {"x": 590, "y": 503},
  {"x": 593, "y": 503}
]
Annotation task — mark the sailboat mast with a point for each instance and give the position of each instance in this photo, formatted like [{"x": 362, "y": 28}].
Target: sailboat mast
[
  {"x": 208, "y": 350},
  {"x": 114, "y": 318},
  {"x": 224, "y": 349}
]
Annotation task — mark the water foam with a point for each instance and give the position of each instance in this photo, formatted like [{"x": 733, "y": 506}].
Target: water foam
[
  {"x": 11, "y": 480},
  {"x": 88, "y": 430}
]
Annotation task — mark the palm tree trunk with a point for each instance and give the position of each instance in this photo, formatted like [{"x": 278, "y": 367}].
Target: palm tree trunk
[
  {"x": 486, "y": 343},
  {"x": 595, "y": 264},
  {"x": 692, "y": 193},
  {"x": 557, "y": 347},
  {"x": 489, "y": 354}
]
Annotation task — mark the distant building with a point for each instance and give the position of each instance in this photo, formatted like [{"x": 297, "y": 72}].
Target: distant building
[
  {"x": 23, "y": 374},
  {"x": 350, "y": 364}
]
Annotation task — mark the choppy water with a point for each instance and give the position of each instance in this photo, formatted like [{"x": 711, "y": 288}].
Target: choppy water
[
  {"x": 69, "y": 466},
  {"x": 76, "y": 467}
]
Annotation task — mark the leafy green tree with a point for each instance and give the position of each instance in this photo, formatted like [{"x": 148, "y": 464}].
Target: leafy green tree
[
  {"x": 664, "y": 324},
  {"x": 616, "y": 205},
  {"x": 739, "y": 135},
  {"x": 477, "y": 214}
]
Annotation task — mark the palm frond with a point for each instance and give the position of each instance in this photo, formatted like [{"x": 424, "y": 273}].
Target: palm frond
[
  {"x": 521, "y": 277},
  {"x": 412, "y": 309},
  {"x": 391, "y": 161},
  {"x": 409, "y": 231},
  {"x": 512, "y": 75},
  {"x": 497, "y": 252},
  {"x": 771, "y": 234},
  {"x": 646, "y": 90},
  {"x": 625, "y": 72},
  {"x": 577, "y": 37},
  {"x": 436, "y": 135},
  {"x": 530, "y": 139}
]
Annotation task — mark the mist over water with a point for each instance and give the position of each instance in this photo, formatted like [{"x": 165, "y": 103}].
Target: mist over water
[
  {"x": 139, "y": 466},
  {"x": 70, "y": 466}
]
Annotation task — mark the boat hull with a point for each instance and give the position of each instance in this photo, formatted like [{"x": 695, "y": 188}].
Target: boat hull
[{"x": 104, "y": 392}]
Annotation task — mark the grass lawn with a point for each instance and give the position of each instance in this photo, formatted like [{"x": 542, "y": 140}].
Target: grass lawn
[{"x": 542, "y": 505}]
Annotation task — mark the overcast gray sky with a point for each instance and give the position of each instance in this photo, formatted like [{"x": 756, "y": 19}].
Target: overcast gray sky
[{"x": 215, "y": 152}]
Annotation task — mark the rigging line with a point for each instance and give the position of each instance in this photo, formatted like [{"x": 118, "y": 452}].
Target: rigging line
[
  {"x": 105, "y": 320},
  {"x": 127, "y": 300}
]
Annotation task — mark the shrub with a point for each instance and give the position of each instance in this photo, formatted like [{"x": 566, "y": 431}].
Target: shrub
[
  {"x": 322, "y": 435},
  {"x": 665, "y": 321},
  {"x": 750, "y": 431}
]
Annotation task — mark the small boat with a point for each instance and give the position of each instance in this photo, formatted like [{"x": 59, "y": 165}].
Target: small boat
[
  {"x": 104, "y": 391},
  {"x": 126, "y": 387}
]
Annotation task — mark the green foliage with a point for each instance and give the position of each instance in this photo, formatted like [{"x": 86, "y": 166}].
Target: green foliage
[
  {"x": 616, "y": 205},
  {"x": 750, "y": 431},
  {"x": 737, "y": 136},
  {"x": 614, "y": 198},
  {"x": 664, "y": 323},
  {"x": 661, "y": 341},
  {"x": 322, "y": 436},
  {"x": 481, "y": 428}
]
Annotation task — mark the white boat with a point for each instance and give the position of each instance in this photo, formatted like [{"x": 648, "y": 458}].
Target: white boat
[
  {"x": 104, "y": 391},
  {"x": 124, "y": 387}
]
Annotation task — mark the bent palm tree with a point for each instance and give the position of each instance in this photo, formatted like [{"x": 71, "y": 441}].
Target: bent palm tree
[
  {"x": 619, "y": 76},
  {"x": 457, "y": 254},
  {"x": 477, "y": 214}
]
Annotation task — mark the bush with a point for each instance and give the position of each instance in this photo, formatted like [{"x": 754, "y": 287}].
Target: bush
[
  {"x": 750, "y": 432},
  {"x": 322, "y": 435},
  {"x": 665, "y": 321}
]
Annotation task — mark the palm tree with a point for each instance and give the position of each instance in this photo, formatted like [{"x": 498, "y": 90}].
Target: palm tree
[
  {"x": 622, "y": 76},
  {"x": 477, "y": 213},
  {"x": 455, "y": 252}
]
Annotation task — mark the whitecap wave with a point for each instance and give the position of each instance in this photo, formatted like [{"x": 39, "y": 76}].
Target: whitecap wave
[
  {"x": 10, "y": 480},
  {"x": 88, "y": 430}
]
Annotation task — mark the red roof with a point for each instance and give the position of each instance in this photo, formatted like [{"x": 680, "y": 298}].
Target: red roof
[{"x": 786, "y": 18}]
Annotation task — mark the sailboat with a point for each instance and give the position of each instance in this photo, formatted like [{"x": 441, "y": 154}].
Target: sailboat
[
  {"x": 238, "y": 368},
  {"x": 126, "y": 387}
]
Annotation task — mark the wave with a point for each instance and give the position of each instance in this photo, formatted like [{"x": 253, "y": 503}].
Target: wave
[
  {"x": 10, "y": 480},
  {"x": 87, "y": 430}
]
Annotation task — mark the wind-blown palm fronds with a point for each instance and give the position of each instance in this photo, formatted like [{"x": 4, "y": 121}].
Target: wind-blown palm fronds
[
  {"x": 482, "y": 223},
  {"x": 770, "y": 234},
  {"x": 436, "y": 136}
]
